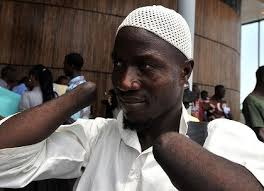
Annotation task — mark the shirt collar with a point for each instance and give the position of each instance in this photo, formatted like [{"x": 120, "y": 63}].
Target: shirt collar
[
  {"x": 184, "y": 121},
  {"x": 76, "y": 80},
  {"x": 130, "y": 137}
]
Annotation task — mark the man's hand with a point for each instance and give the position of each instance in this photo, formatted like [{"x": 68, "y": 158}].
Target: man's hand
[
  {"x": 36, "y": 124},
  {"x": 191, "y": 167},
  {"x": 85, "y": 95}
]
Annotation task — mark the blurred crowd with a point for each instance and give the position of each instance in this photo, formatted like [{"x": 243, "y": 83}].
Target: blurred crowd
[
  {"x": 204, "y": 107},
  {"x": 38, "y": 85}
]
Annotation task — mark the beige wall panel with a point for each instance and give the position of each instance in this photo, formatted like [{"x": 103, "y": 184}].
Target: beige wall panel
[
  {"x": 6, "y": 23},
  {"x": 217, "y": 49},
  {"x": 216, "y": 64},
  {"x": 115, "y": 7},
  {"x": 44, "y": 31},
  {"x": 219, "y": 22},
  {"x": 53, "y": 33}
]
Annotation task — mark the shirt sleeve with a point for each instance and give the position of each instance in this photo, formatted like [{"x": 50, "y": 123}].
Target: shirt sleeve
[
  {"x": 85, "y": 112},
  {"x": 237, "y": 143},
  {"x": 62, "y": 155}
]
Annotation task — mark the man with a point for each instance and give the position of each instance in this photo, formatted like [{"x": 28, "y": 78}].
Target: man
[
  {"x": 218, "y": 107},
  {"x": 152, "y": 62},
  {"x": 73, "y": 64},
  {"x": 8, "y": 77},
  {"x": 253, "y": 106}
]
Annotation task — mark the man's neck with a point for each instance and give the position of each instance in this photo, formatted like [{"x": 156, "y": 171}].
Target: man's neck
[
  {"x": 259, "y": 90},
  {"x": 75, "y": 74},
  {"x": 167, "y": 122}
]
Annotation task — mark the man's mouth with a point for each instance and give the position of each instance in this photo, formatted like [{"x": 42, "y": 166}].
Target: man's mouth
[
  {"x": 131, "y": 100},
  {"x": 132, "y": 103}
]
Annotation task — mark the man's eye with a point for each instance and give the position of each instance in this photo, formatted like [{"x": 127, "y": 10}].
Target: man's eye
[
  {"x": 118, "y": 63},
  {"x": 145, "y": 66}
]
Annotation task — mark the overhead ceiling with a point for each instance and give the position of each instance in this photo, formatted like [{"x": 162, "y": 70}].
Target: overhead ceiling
[{"x": 252, "y": 10}]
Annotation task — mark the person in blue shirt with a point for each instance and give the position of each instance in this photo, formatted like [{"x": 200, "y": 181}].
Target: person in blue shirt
[
  {"x": 73, "y": 64},
  {"x": 21, "y": 87}
]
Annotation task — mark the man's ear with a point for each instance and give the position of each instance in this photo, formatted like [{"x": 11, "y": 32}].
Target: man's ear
[{"x": 187, "y": 69}]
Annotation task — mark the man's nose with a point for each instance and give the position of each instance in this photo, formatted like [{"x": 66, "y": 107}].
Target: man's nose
[{"x": 130, "y": 80}]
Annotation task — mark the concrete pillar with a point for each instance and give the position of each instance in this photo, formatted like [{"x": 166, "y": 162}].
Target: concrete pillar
[{"x": 187, "y": 9}]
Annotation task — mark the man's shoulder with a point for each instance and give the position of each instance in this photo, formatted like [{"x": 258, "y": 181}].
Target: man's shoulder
[
  {"x": 225, "y": 130},
  {"x": 103, "y": 124},
  {"x": 91, "y": 128},
  {"x": 248, "y": 99},
  {"x": 237, "y": 143},
  {"x": 252, "y": 100},
  {"x": 226, "y": 124}
]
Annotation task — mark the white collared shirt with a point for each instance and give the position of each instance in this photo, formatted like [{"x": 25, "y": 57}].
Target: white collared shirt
[
  {"x": 107, "y": 157},
  {"x": 3, "y": 84},
  {"x": 74, "y": 82},
  {"x": 31, "y": 99}
]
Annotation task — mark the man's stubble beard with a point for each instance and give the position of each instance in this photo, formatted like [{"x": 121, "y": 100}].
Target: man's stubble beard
[{"x": 134, "y": 126}]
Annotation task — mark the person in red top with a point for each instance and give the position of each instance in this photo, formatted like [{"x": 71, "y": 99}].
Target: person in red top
[
  {"x": 196, "y": 103},
  {"x": 199, "y": 105},
  {"x": 204, "y": 102},
  {"x": 218, "y": 107}
]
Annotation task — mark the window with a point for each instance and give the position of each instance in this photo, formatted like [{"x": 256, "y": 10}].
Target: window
[
  {"x": 252, "y": 56},
  {"x": 261, "y": 52}
]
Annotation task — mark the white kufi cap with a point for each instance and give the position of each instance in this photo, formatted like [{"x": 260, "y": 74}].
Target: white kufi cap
[{"x": 165, "y": 23}]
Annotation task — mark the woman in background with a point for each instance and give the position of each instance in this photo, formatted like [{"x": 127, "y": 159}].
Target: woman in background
[{"x": 41, "y": 86}]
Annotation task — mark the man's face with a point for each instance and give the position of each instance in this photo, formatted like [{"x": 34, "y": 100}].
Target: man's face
[
  {"x": 68, "y": 71},
  {"x": 31, "y": 82},
  {"x": 148, "y": 75}
]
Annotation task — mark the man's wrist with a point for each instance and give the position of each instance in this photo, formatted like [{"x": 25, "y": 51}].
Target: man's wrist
[{"x": 84, "y": 95}]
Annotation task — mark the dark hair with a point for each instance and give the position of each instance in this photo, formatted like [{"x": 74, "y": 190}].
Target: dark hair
[
  {"x": 44, "y": 77},
  {"x": 6, "y": 70},
  {"x": 204, "y": 94},
  {"x": 61, "y": 78},
  {"x": 218, "y": 87},
  {"x": 260, "y": 74},
  {"x": 75, "y": 60},
  {"x": 23, "y": 80}
]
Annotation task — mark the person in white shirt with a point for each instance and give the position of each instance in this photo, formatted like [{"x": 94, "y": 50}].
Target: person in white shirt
[
  {"x": 41, "y": 85},
  {"x": 147, "y": 146}
]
